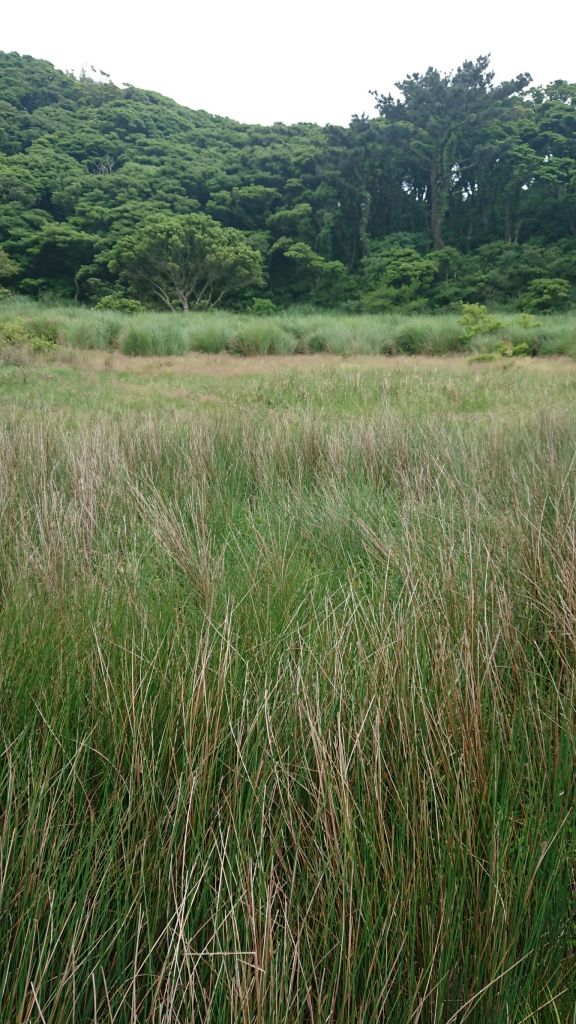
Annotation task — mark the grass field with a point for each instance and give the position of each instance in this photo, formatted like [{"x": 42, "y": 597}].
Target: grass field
[
  {"x": 287, "y": 690},
  {"x": 290, "y": 332}
]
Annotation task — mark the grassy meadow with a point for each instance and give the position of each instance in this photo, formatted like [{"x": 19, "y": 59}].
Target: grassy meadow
[
  {"x": 287, "y": 333},
  {"x": 287, "y": 688}
]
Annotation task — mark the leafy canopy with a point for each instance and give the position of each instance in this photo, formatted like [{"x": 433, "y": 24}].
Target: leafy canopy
[
  {"x": 461, "y": 190},
  {"x": 187, "y": 261}
]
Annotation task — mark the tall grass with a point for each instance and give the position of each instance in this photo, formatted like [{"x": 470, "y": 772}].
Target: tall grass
[
  {"x": 288, "y": 719},
  {"x": 285, "y": 333}
]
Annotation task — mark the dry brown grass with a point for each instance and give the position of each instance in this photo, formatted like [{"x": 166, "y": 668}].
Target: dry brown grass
[{"x": 224, "y": 365}]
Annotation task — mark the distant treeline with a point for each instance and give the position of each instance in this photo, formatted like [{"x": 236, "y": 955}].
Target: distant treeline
[{"x": 457, "y": 190}]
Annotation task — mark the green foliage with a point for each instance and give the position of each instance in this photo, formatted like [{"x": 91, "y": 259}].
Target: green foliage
[
  {"x": 287, "y": 679},
  {"x": 260, "y": 338},
  {"x": 546, "y": 294},
  {"x": 262, "y": 307},
  {"x": 297, "y": 331},
  {"x": 306, "y": 275},
  {"x": 433, "y": 121},
  {"x": 14, "y": 332},
  {"x": 397, "y": 276},
  {"x": 156, "y": 335},
  {"x": 477, "y": 320},
  {"x": 21, "y": 342},
  {"x": 431, "y": 335},
  {"x": 8, "y": 267},
  {"x": 507, "y": 349},
  {"x": 528, "y": 321},
  {"x": 461, "y": 190},
  {"x": 188, "y": 262},
  {"x": 25, "y": 333},
  {"x": 119, "y": 304}
]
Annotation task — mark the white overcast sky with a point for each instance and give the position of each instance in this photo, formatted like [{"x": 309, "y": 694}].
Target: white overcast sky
[{"x": 297, "y": 60}]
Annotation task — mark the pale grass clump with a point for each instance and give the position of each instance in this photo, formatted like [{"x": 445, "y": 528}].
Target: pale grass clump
[{"x": 288, "y": 720}]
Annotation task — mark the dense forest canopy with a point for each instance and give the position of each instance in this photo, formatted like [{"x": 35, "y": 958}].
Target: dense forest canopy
[{"x": 458, "y": 189}]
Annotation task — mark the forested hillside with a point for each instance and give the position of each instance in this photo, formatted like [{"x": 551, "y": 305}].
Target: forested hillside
[{"x": 457, "y": 190}]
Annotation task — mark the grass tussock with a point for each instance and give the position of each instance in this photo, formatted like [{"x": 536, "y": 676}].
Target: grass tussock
[
  {"x": 167, "y": 334},
  {"x": 288, "y": 718}
]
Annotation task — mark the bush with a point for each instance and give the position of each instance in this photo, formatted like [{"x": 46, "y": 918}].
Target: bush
[
  {"x": 506, "y": 350},
  {"x": 477, "y": 320},
  {"x": 22, "y": 333},
  {"x": 262, "y": 307},
  {"x": 118, "y": 304},
  {"x": 528, "y": 322}
]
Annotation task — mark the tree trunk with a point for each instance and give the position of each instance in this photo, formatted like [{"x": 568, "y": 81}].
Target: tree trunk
[{"x": 436, "y": 207}]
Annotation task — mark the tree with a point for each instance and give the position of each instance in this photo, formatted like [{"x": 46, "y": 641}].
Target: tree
[
  {"x": 297, "y": 270},
  {"x": 553, "y": 196},
  {"x": 7, "y": 266},
  {"x": 185, "y": 261},
  {"x": 245, "y": 208},
  {"x": 54, "y": 256},
  {"x": 545, "y": 294},
  {"x": 396, "y": 275},
  {"x": 432, "y": 119},
  {"x": 455, "y": 163}
]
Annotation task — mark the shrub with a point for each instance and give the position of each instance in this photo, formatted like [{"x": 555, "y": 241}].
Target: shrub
[
  {"x": 477, "y": 320},
  {"x": 118, "y": 304},
  {"x": 528, "y": 322},
  {"x": 508, "y": 349},
  {"x": 262, "y": 307},
  {"x": 23, "y": 333}
]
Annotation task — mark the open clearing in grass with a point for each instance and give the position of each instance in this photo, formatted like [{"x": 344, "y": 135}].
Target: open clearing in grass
[
  {"x": 94, "y": 381},
  {"x": 288, "y": 690}
]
